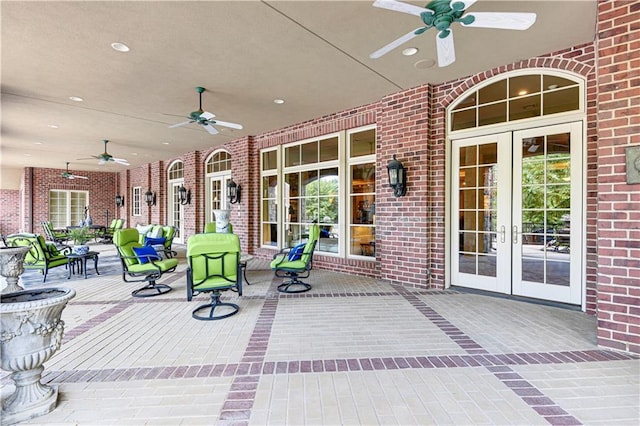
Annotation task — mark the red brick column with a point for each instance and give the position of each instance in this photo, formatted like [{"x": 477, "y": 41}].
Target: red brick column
[{"x": 618, "y": 202}]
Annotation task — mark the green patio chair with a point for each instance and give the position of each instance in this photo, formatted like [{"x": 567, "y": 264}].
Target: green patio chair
[
  {"x": 295, "y": 263},
  {"x": 210, "y": 227},
  {"x": 213, "y": 266},
  {"x": 142, "y": 263},
  {"x": 57, "y": 236},
  {"x": 42, "y": 255}
]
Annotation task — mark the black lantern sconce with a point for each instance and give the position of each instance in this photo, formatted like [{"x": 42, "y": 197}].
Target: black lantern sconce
[
  {"x": 150, "y": 198},
  {"x": 233, "y": 192},
  {"x": 119, "y": 200},
  {"x": 397, "y": 177},
  {"x": 184, "y": 195}
]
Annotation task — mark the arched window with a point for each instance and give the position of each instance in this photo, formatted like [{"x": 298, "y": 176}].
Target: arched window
[{"x": 516, "y": 97}]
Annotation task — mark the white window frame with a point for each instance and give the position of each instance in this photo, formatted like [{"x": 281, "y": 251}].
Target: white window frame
[{"x": 136, "y": 194}]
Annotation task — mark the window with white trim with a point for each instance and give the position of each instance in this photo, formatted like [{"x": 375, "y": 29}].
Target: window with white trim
[
  {"x": 136, "y": 193},
  {"x": 67, "y": 207},
  {"x": 304, "y": 183}
]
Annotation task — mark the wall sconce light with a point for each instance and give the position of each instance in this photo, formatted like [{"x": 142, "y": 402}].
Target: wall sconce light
[
  {"x": 397, "y": 177},
  {"x": 233, "y": 192},
  {"x": 119, "y": 200},
  {"x": 184, "y": 195},
  {"x": 150, "y": 198}
]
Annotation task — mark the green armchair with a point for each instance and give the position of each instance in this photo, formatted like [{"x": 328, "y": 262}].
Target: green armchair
[
  {"x": 141, "y": 268},
  {"x": 295, "y": 263},
  {"x": 155, "y": 233},
  {"x": 213, "y": 266},
  {"x": 107, "y": 236},
  {"x": 57, "y": 236},
  {"x": 42, "y": 255}
]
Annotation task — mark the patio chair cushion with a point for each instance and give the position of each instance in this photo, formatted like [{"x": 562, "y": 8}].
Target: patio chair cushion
[
  {"x": 145, "y": 253},
  {"x": 296, "y": 252}
]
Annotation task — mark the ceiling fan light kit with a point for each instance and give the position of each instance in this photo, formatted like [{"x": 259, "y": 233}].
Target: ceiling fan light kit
[
  {"x": 205, "y": 118},
  {"x": 440, "y": 14}
]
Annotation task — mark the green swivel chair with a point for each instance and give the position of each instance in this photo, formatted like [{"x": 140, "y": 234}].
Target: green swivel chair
[
  {"x": 295, "y": 263},
  {"x": 213, "y": 266},
  {"x": 142, "y": 263}
]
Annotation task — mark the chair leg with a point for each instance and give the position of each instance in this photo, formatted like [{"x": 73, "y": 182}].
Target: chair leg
[
  {"x": 285, "y": 287},
  {"x": 215, "y": 302},
  {"x": 151, "y": 289}
]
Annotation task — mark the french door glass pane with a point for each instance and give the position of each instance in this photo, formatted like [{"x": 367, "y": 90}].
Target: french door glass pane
[
  {"x": 546, "y": 200},
  {"x": 478, "y": 209}
]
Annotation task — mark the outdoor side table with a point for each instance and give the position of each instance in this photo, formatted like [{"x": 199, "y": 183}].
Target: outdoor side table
[
  {"x": 243, "y": 264},
  {"x": 80, "y": 260}
]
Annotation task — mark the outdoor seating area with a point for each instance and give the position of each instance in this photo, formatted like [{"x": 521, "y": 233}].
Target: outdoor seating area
[
  {"x": 42, "y": 256},
  {"x": 444, "y": 357}
]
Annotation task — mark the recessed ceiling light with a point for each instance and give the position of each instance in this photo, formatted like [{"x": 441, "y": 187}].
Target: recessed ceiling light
[
  {"x": 409, "y": 51},
  {"x": 37, "y": 143},
  {"x": 424, "y": 64},
  {"x": 552, "y": 86},
  {"x": 278, "y": 101},
  {"x": 76, "y": 98},
  {"x": 53, "y": 126},
  {"x": 134, "y": 153},
  {"x": 165, "y": 143},
  {"x": 120, "y": 47},
  {"x": 522, "y": 93}
]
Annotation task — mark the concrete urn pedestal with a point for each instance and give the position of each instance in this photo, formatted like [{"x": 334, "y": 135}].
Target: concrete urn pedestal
[
  {"x": 12, "y": 266},
  {"x": 30, "y": 333}
]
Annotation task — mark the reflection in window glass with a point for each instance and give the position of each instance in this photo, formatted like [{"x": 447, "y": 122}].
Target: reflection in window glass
[
  {"x": 363, "y": 143},
  {"x": 270, "y": 160}
]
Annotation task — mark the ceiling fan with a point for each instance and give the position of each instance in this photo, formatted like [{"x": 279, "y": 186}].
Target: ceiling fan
[
  {"x": 68, "y": 175},
  {"x": 440, "y": 14},
  {"x": 205, "y": 119},
  {"x": 105, "y": 157}
]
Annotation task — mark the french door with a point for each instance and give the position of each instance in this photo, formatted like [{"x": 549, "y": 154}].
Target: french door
[
  {"x": 517, "y": 213},
  {"x": 217, "y": 188},
  {"x": 175, "y": 210}
]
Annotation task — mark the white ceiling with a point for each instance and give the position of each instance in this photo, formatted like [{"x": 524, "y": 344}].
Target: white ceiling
[{"x": 312, "y": 54}]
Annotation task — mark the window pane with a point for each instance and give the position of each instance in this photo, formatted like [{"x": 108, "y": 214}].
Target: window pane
[
  {"x": 491, "y": 114},
  {"x": 561, "y": 100},
  {"x": 493, "y": 92},
  {"x": 363, "y": 143},
  {"x": 309, "y": 152},
  {"x": 292, "y": 156},
  {"x": 464, "y": 119},
  {"x": 269, "y": 160},
  {"x": 329, "y": 182},
  {"x": 329, "y": 149},
  {"x": 524, "y": 85},
  {"x": 309, "y": 181},
  {"x": 362, "y": 241},
  {"x": 291, "y": 185},
  {"x": 526, "y": 107},
  {"x": 363, "y": 178}
]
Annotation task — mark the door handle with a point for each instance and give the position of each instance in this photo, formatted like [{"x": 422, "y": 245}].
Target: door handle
[
  {"x": 515, "y": 235},
  {"x": 503, "y": 234}
]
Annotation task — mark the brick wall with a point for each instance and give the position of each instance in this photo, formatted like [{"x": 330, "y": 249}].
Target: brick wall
[
  {"x": 618, "y": 224},
  {"x": 10, "y": 202},
  {"x": 37, "y": 182}
]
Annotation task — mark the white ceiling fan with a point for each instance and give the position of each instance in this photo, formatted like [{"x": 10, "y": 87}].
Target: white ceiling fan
[
  {"x": 205, "y": 119},
  {"x": 440, "y": 14},
  {"x": 105, "y": 157},
  {"x": 68, "y": 175}
]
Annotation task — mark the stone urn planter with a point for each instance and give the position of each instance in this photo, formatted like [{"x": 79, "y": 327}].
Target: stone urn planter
[
  {"x": 11, "y": 266},
  {"x": 30, "y": 333},
  {"x": 222, "y": 220}
]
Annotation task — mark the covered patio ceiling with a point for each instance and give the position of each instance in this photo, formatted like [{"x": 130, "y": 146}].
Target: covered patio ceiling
[{"x": 314, "y": 55}]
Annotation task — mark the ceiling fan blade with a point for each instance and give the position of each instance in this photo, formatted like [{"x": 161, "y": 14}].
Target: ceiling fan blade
[
  {"x": 400, "y": 7},
  {"x": 467, "y": 3},
  {"x": 445, "y": 48},
  {"x": 207, "y": 115},
  {"x": 389, "y": 47},
  {"x": 181, "y": 124},
  {"x": 78, "y": 177},
  {"x": 227, "y": 124},
  {"x": 120, "y": 161},
  {"x": 102, "y": 161},
  {"x": 210, "y": 129},
  {"x": 504, "y": 21}
]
